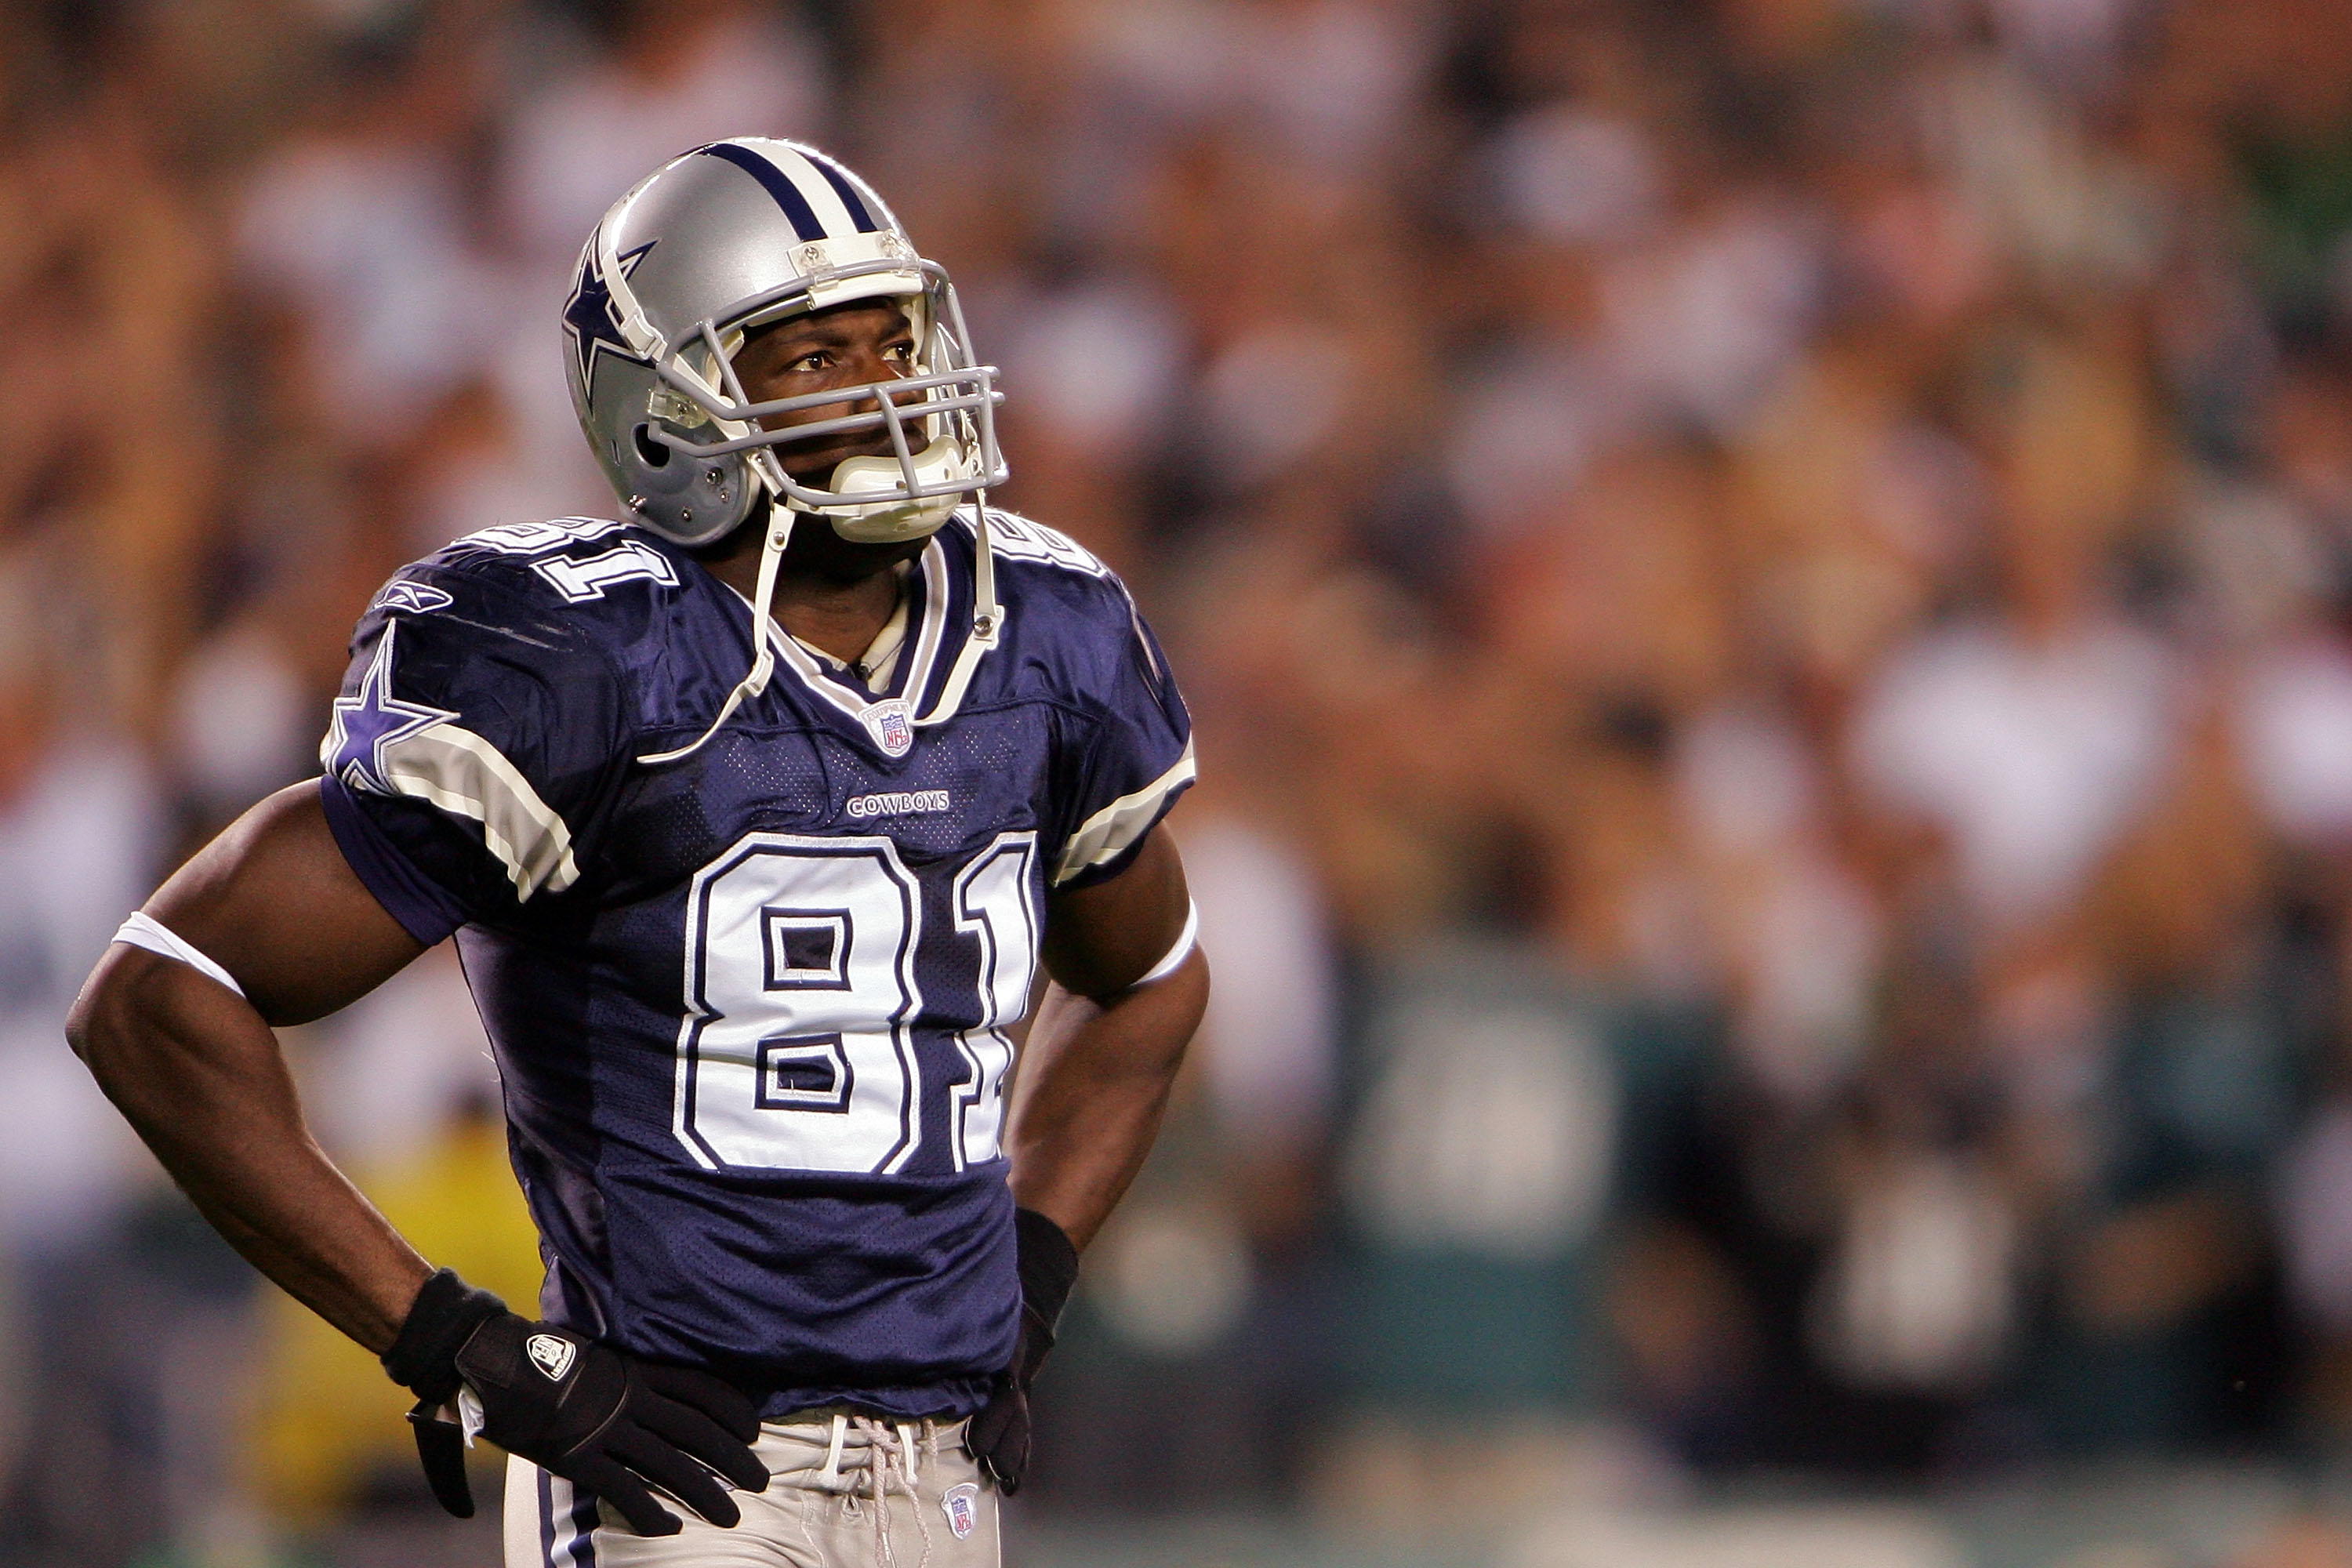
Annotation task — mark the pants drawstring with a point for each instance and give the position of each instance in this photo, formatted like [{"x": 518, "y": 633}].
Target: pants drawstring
[{"x": 890, "y": 1451}]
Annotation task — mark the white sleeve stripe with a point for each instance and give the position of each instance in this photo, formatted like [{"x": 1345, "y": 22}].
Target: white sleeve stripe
[
  {"x": 459, "y": 772},
  {"x": 1112, "y": 831},
  {"x": 143, "y": 930},
  {"x": 1186, "y": 940}
]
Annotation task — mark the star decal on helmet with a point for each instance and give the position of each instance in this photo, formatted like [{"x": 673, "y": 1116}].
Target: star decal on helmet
[
  {"x": 372, "y": 719},
  {"x": 589, "y": 318}
]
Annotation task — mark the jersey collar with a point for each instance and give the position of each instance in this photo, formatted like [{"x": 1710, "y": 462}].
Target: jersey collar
[{"x": 928, "y": 594}]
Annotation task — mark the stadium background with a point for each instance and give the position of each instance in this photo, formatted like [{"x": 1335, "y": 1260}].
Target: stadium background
[{"x": 1767, "y": 588}]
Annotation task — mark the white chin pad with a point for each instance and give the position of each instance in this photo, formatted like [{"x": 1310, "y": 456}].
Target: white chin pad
[{"x": 887, "y": 522}]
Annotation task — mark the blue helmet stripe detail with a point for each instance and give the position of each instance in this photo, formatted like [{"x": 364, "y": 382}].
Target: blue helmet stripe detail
[
  {"x": 777, "y": 184},
  {"x": 846, "y": 192}
]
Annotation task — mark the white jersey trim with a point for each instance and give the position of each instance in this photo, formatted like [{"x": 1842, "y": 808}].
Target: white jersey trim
[
  {"x": 143, "y": 930},
  {"x": 1112, "y": 831},
  {"x": 459, "y": 772}
]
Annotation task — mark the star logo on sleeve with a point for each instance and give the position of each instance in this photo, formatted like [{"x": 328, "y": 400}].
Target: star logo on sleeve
[
  {"x": 590, "y": 319},
  {"x": 370, "y": 719}
]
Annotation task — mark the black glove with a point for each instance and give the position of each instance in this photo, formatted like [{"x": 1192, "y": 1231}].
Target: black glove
[
  {"x": 999, "y": 1434},
  {"x": 593, "y": 1415}
]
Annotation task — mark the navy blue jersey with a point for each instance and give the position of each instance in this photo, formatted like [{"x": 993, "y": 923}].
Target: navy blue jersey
[{"x": 749, "y": 1007}]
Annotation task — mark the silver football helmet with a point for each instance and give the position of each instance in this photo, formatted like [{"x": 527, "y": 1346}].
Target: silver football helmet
[
  {"x": 713, "y": 246},
  {"x": 709, "y": 248}
]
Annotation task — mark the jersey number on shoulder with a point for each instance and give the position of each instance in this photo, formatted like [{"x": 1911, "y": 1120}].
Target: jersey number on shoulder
[
  {"x": 796, "y": 1052},
  {"x": 578, "y": 579},
  {"x": 539, "y": 538},
  {"x": 1022, "y": 540}
]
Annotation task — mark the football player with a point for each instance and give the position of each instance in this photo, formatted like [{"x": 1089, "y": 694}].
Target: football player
[{"x": 755, "y": 814}]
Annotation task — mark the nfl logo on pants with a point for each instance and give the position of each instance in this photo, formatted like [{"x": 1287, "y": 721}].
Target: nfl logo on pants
[{"x": 962, "y": 1507}]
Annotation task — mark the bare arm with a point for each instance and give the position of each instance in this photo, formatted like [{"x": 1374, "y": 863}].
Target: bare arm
[
  {"x": 197, "y": 1072},
  {"x": 1104, "y": 1051}
]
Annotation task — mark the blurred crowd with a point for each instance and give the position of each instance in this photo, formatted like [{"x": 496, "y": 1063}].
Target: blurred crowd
[{"x": 1766, "y": 587}]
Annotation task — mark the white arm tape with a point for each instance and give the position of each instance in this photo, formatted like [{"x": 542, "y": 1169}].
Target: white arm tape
[
  {"x": 1186, "y": 940},
  {"x": 142, "y": 930}
]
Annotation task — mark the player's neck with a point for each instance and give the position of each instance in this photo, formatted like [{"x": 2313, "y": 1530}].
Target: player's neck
[
  {"x": 839, "y": 618},
  {"x": 834, "y": 595}
]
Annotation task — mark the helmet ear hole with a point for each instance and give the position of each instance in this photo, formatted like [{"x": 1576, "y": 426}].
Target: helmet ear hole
[{"x": 652, "y": 452}]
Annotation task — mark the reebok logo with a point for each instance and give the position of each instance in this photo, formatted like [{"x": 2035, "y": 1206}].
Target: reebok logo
[
  {"x": 418, "y": 597},
  {"x": 899, "y": 803},
  {"x": 551, "y": 1354}
]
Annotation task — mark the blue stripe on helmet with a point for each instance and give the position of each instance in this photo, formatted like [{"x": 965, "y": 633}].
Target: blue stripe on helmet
[
  {"x": 835, "y": 177},
  {"x": 777, "y": 184}
]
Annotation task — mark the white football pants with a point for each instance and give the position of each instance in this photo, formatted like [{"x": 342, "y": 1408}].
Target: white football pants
[{"x": 820, "y": 1511}]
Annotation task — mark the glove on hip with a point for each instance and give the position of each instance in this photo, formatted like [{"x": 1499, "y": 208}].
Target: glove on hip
[
  {"x": 999, "y": 1434},
  {"x": 578, "y": 1408}
]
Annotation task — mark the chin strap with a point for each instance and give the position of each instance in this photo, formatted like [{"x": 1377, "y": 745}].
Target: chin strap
[
  {"x": 763, "y": 662},
  {"x": 987, "y": 613},
  {"x": 987, "y": 621}
]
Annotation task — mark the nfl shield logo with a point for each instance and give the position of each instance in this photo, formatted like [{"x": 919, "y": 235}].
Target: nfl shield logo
[
  {"x": 892, "y": 726},
  {"x": 962, "y": 1506}
]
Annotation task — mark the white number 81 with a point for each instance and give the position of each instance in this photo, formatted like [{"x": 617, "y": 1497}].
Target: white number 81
[{"x": 796, "y": 1051}]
